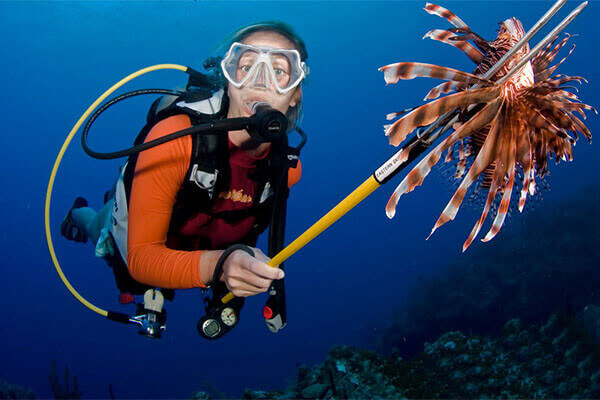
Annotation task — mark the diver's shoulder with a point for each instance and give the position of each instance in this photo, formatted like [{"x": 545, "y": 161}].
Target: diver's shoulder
[{"x": 169, "y": 125}]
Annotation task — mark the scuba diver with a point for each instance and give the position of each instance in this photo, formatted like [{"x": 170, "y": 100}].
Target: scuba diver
[{"x": 187, "y": 213}]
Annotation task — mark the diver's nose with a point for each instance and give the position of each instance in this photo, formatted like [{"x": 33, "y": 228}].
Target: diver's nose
[{"x": 260, "y": 80}]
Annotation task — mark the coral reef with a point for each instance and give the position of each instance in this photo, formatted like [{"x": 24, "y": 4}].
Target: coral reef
[
  {"x": 11, "y": 391},
  {"x": 590, "y": 319},
  {"x": 201, "y": 395},
  {"x": 558, "y": 359},
  {"x": 60, "y": 390},
  {"x": 551, "y": 264}
]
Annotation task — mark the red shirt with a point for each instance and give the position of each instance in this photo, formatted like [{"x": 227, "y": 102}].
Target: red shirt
[{"x": 240, "y": 195}]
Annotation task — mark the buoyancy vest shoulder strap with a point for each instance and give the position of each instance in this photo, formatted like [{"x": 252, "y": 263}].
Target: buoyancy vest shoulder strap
[
  {"x": 200, "y": 105},
  {"x": 208, "y": 174}
]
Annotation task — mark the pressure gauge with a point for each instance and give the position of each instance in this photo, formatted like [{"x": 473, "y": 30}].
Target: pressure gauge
[
  {"x": 228, "y": 316},
  {"x": 209, "y": 328}
]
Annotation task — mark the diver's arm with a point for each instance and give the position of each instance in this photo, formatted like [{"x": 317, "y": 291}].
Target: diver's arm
[{"x": 159, "y": 173}]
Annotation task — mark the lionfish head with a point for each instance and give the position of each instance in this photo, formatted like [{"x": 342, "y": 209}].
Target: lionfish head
[
  {"x": 512, "y": 27},
  {"x": 511, "y": 31}
]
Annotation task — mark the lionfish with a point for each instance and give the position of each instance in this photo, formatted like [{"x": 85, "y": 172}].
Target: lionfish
[{"x": 503, "y": 128}]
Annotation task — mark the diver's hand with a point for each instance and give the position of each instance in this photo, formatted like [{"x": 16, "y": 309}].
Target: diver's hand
[{"x": 246, "y": 276}]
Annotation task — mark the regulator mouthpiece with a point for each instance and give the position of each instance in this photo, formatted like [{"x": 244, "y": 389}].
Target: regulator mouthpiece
[
  {"x": 261, "y": 105},
  {"x": 268, "y": 124}
]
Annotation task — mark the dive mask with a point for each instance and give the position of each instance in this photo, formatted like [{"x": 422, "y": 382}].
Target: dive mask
[{"x": 246, "y": 64}]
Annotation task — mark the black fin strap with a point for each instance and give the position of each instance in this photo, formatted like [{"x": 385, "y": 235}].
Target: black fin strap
[{"x": 226, "y": 253}]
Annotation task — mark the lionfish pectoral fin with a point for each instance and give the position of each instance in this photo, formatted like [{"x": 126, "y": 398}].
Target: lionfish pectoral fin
[
  {"x": 446, "y": 14},
  {"x": 484, "y": 158},
  {"x": 500, "y": 168},
  {"x": 532, "y": 183},
  {"x": 393, "y": 115},
  {"x": 505, "y": 202},
  {"x": 580, "y": 126},
  {"x": 444, "y": 88},
  {"x": 489, "y": 201},
  {"x": 438, "y": 34},
  {"x": 428, "y": 113},
  {"x": 468, "y": 34},
  {"x": 449, "y": 38},
  {"x": 392, "y": 73},
  {"x": 542, "y": 59},
  {"x": 449, "y": 156},
  {"x": 463, "y": 38},
  {"x": 462, "y": 160},
  {"x": 475, "y": 231},
  {"x": 528, "y": 163},
  {"x": 390, "y": 207},
  {"x": 464, "y": 30},
  {"x": 416, "y": 175}
]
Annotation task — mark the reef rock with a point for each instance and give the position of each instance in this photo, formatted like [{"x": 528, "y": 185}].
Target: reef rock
[
  {"x": 12, "y": 391},
  {"x": 557, "y": 359}
]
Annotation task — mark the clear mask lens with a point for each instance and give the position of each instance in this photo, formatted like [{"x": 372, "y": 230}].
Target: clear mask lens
[{"x": 263, "y": 66}]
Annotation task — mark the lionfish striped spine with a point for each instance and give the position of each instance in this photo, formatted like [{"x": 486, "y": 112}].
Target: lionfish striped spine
[{"x": 503, "y": 128}]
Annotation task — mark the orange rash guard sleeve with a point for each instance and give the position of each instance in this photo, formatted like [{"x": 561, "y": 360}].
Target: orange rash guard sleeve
[
  {"x": 294, "y": 175},
  {"x": 159, "y": 174}
]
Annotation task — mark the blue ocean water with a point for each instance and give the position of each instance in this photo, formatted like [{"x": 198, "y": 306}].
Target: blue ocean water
[{"x": 343, "y": 287}]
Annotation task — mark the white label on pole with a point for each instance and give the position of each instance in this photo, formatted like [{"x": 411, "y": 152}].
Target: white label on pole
[{"x": 391, "y": 165}]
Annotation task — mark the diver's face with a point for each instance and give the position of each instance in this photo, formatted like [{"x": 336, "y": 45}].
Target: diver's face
[{"x": 243, "y": 99}]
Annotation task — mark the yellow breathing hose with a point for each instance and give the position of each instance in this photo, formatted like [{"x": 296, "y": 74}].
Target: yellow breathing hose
[
  {"x": 59, "y": 159},
  {"x": 360, "y": 193}
]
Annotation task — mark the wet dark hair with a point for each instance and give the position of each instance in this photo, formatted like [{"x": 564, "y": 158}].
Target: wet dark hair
[
  {"x": 279, "y": 27},
  {"x": 294, "y": 114}
]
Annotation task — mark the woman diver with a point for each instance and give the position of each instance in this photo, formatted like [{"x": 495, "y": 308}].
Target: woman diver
[{"x": 164, "y": 241}]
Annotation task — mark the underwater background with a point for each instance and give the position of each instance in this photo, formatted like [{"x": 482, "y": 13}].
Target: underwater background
[{"x": 367, "y": 281}]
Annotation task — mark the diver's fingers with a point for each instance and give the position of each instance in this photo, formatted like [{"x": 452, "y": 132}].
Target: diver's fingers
[
  {"x": 242, "y": 267},
  {"x": 255, "y": 282},
  {"x": 260, "y": 255},
  {"x": 261, "y": 269},
  {"x": 242, "y": 293},
  {"x": 242, "y": 288},
  {"x": 246, "y": 275}
]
